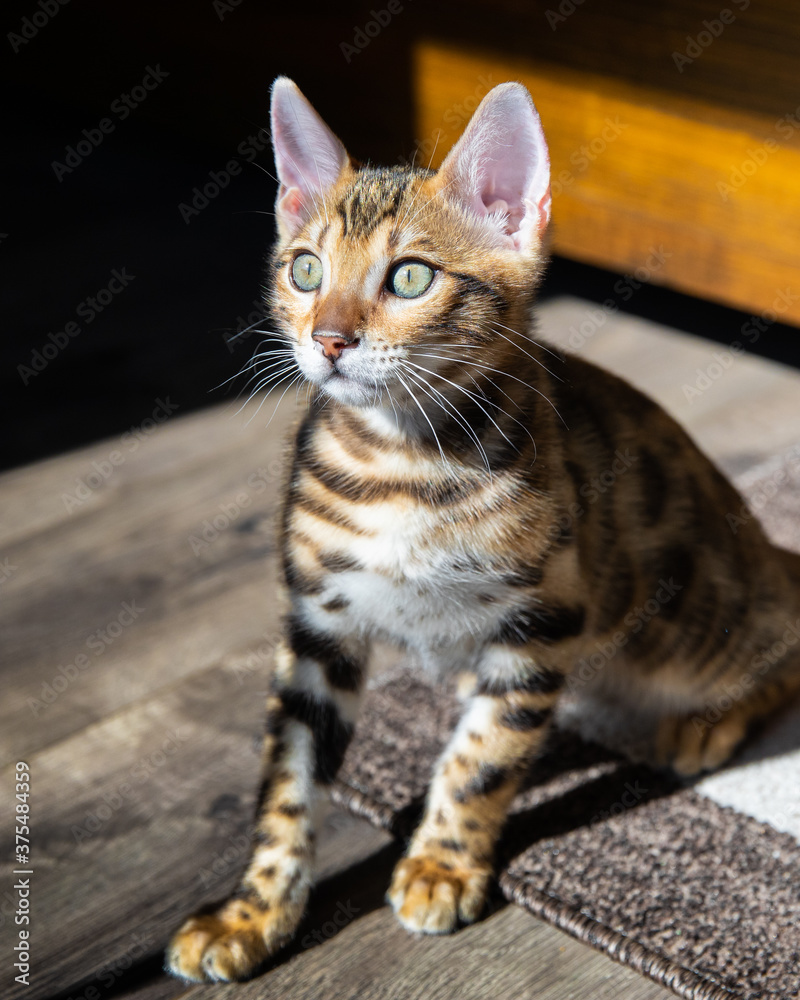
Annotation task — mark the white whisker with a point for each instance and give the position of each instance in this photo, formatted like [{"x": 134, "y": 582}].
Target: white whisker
[
  {"x": 271, "y": 176},
  {"x": 276, "y": 377},
  {"x": 424, "y": 414},
  {"x": 297, "y": 377},
  {"x": 253, "y": 362},
  {"x": 476, "y": 399},
  {"x": 427, "y": 203},
  {"x": 419, "y": 188},
  {"x": 526, "y": 353},
  {"x": 478, "y": 364},
  {"x": 524, "y": 336},
  {"x": 463, "y": 423}
]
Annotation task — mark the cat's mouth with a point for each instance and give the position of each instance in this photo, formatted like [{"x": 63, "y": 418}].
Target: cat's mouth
[
  {"x": 344, "y": 370},
  {"x": 347, "y": 387}
]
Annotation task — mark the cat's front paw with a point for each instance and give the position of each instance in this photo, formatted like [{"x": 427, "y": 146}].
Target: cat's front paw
[
  {"x": 232, "y": 943},
  {"x": 431, "y": 896}
]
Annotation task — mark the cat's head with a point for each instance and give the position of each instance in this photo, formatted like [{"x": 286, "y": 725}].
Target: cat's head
[{"x": 384, "y": 275}]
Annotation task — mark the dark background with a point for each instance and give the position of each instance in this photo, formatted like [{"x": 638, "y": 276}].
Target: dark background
[{"x": 165, "y": 336}]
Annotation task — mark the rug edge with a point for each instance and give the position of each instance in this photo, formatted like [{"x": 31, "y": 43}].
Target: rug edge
[{"x": 681, "y": 981}]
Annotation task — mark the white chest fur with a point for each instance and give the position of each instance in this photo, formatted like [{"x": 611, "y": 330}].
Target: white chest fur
[{"x": 440, "y": 600}]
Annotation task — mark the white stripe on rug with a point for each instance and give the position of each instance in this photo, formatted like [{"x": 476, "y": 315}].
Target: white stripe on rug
[{"x": 764, "y": 782}]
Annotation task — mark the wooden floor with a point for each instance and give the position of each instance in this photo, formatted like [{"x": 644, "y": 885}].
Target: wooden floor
[{"x": 138, "y": 624}]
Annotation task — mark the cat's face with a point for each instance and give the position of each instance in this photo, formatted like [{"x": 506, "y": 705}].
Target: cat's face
[{"x": 384, "y": 278}]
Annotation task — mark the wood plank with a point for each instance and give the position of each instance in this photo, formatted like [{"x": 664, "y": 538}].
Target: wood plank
[
  {"x": 141, "y": 818},
  {"x": 138, "y": 543},
  {"x": 505, "y": 955},
  {"x": 34, "y": 494},
  {"x": 648, "y": 194},
  {"x": 747, "y": 412}
]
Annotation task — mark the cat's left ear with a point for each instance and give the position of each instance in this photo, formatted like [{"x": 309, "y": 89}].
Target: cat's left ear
[
  {"x": 308, "y": 156},
  {"x": 500, "y": 167}
]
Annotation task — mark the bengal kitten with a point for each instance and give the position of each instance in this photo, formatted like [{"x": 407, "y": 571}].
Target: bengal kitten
[{"x": 437, "y": 499}]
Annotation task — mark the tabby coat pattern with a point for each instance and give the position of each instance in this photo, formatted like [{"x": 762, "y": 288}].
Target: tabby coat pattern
[{"x": 459, "y": 490}]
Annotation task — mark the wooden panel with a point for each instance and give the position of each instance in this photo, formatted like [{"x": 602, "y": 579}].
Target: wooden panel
[
  {"x": 751, "y": 63},
  {"x": 645, "y": 179}
]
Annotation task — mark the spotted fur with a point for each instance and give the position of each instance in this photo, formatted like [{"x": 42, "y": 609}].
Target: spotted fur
[{"x": 458, "y": 489}]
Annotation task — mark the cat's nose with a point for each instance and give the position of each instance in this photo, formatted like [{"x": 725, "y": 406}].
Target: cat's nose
[{"x": 333, "y": 344}]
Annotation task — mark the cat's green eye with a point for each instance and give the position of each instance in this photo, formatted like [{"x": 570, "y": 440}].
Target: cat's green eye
[
  {"x": 307, "y": 272},
  {"x": 410, "y": 279}
]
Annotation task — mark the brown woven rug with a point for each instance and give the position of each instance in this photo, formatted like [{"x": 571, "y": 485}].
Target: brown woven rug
[{"x": 696, "y": 886}]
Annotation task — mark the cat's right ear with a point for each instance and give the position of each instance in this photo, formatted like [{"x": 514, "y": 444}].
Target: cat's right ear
[
  {"x": 500, "y": 169},
  {"x": 308, "y": 157}
]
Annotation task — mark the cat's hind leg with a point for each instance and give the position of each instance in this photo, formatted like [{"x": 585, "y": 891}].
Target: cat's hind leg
[
  {"x": 706, "y": 738},
  {"x": 692, "y": 744},
  {"x": 311, "y": 712}
]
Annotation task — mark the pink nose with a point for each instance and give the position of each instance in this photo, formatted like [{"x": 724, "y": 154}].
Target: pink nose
[{"x": 332, "y": 346}]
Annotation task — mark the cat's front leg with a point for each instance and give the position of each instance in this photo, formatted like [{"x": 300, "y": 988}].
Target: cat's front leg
[
  {"x": 446, "y": 872},
  {"x": 311, "y": 712}
]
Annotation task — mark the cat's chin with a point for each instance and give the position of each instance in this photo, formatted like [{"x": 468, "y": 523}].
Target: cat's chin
[{"x": 345, "y": 389}]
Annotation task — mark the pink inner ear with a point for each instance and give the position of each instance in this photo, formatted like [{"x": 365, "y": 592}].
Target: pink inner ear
[
  {"x": 308, "y": 156},
  {"x": 290, "y": 201},
  {"x": 496, "y": 206},
  {"x": 500, "y": 166},
  {"x": 543, "y": 211}
]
